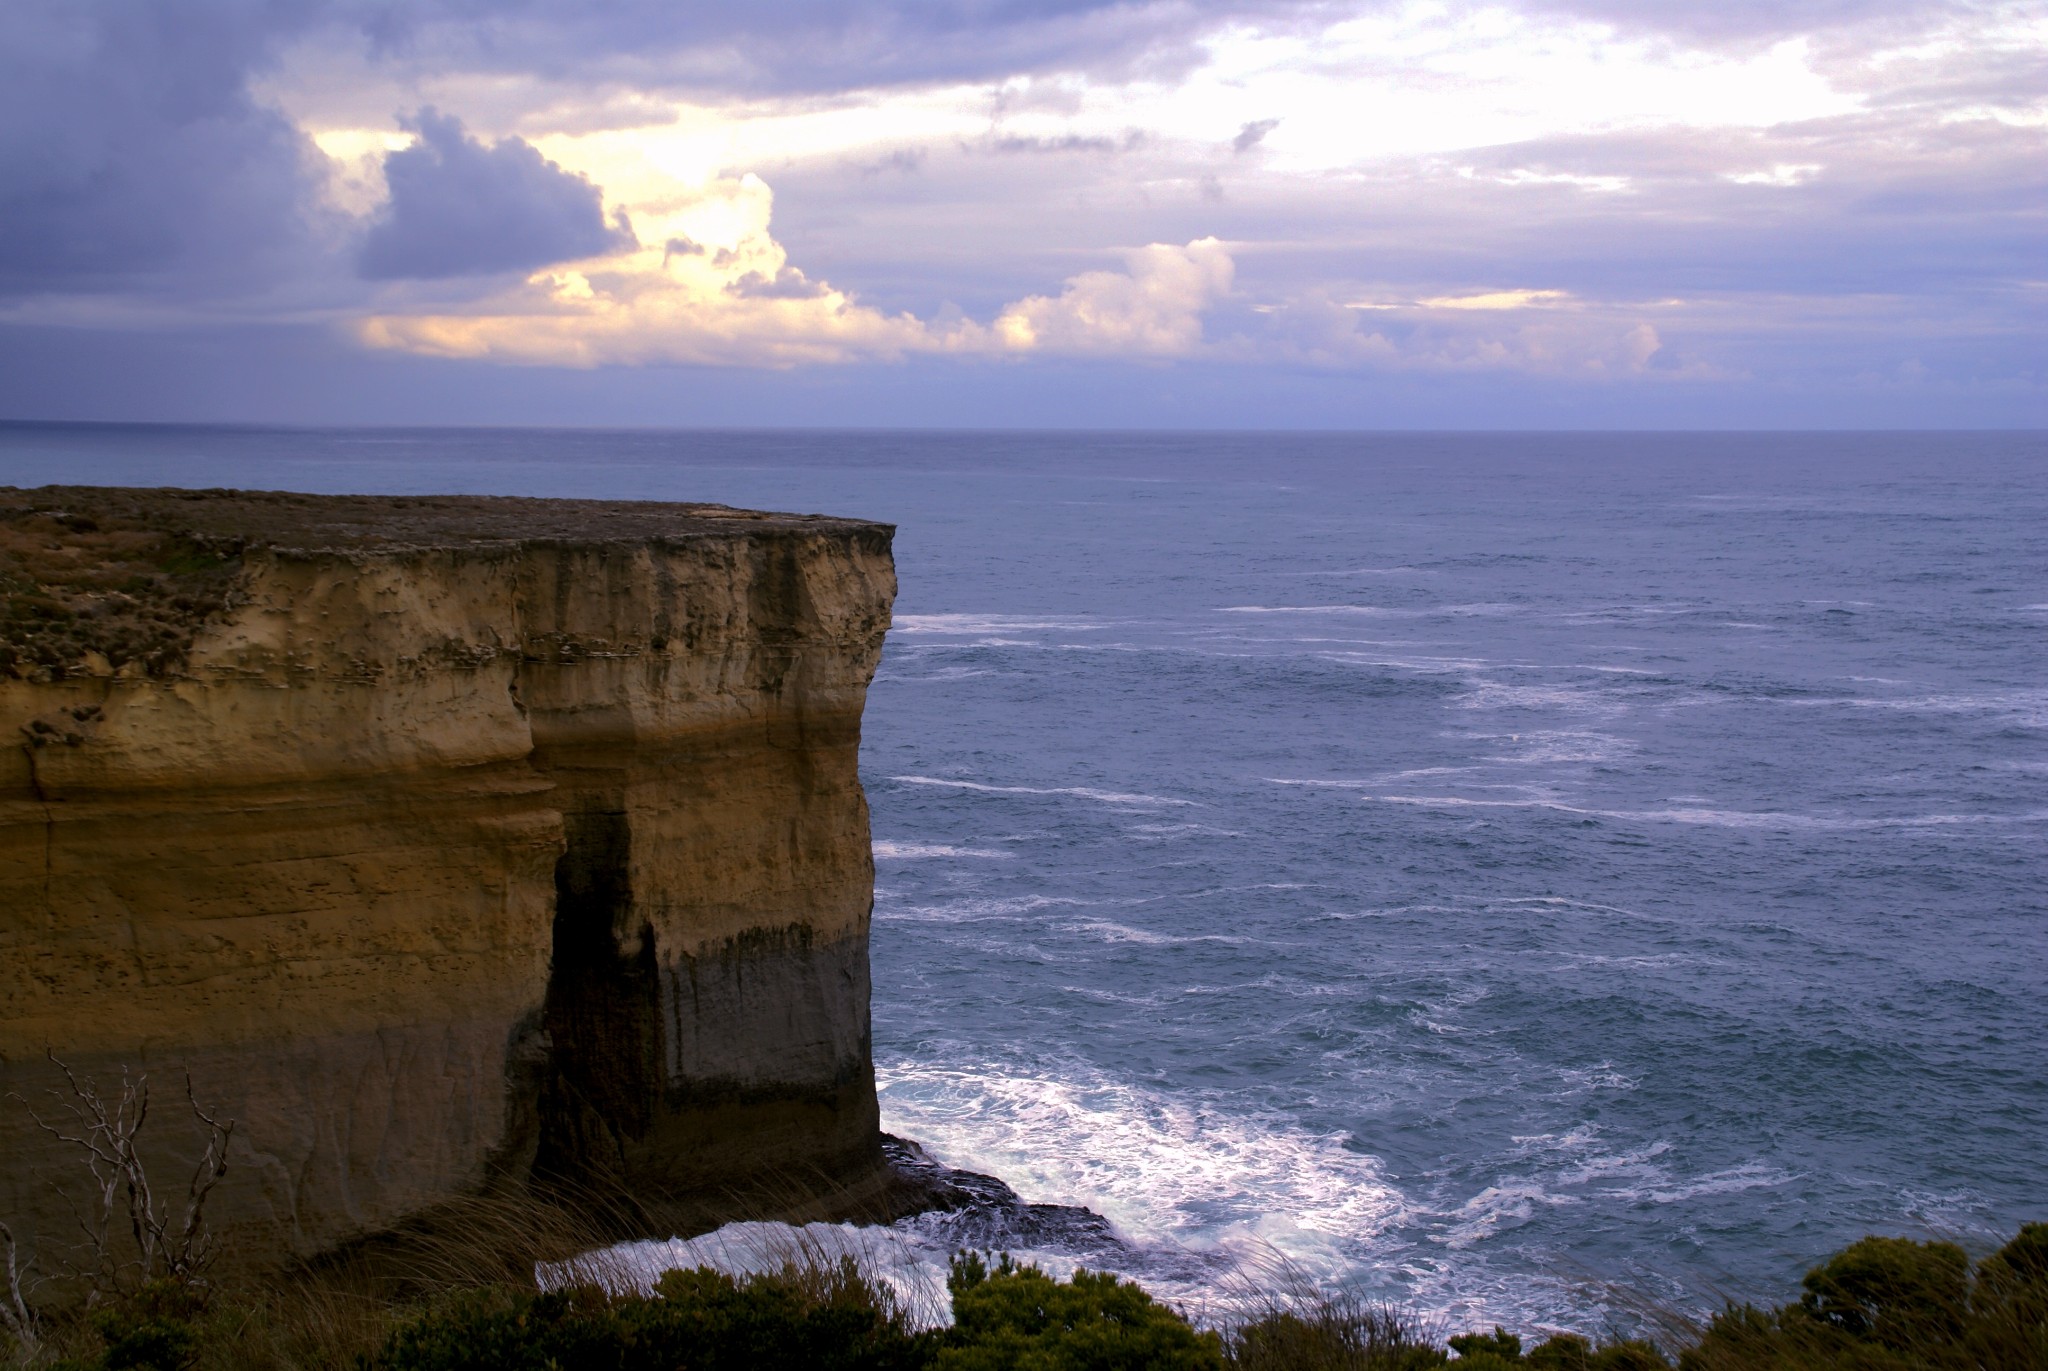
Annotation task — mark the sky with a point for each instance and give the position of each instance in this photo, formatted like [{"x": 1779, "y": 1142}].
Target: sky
[{"x": 1026, "y": 213}]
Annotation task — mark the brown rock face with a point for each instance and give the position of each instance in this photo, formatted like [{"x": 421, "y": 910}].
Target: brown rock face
[{"x": 445, "y": 841}]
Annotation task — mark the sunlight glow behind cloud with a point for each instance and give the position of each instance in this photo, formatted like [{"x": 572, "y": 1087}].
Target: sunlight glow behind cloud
[
  {"x": 1422, "y": 80},
  {"x": 707, "y": 284},
  {"x": 1545, "y": 188}
]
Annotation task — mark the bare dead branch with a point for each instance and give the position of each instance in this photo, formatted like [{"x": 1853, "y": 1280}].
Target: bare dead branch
[
  {"x": 105, "y": 1131},
  {"x": 16, "y": 1313}
]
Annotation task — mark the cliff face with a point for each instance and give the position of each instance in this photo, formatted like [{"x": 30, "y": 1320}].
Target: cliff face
[{"x": 442, "y": 840}]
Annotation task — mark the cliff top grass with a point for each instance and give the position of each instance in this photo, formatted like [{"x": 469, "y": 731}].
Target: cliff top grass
[{"x": 97, "y": 577}]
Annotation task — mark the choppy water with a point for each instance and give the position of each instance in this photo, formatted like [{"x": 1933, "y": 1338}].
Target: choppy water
[{"x": 1483, "y": 868}]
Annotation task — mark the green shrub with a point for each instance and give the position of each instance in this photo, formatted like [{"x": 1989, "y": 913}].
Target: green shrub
[
  {"x": 499, "y": 1329},
  {"x": 157, "y": 1328},
  {"x": 2021, "y": 1266},
  {"x": 1570, "y": 1352},
  {"x": 1017, "y": 1318},
  {"x": 1897, "y": 1293},
  {"x": 1484, "y": 1351},
  {"x": 1501, "y": 1350},
  {"x": 1893, "y": 1304},
  {"x": 2009, "y": 1305},
  {"x": 834, "y": 1319},
  {"x": 1330, "y": 1333},
  {"x": 1745, "y": 1338}
]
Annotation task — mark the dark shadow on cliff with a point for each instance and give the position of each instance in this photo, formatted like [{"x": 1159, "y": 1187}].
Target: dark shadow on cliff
[{"x": 602, "y": 1014}]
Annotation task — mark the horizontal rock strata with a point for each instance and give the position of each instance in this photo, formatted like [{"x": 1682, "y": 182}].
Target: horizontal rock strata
[{"x": 442, "y": 840}]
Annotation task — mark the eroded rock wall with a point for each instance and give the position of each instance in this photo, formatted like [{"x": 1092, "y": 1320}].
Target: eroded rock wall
[{"x": 526, "y": 837}]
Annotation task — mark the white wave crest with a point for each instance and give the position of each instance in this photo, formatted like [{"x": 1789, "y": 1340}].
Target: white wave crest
[
  {"x": 1108, "y": 797},
  {"x": 1711, "y": 818},
  {"x": 957, "y": 625},
  {"x": 1484, "y": 609},
  {"x": 1161, "y": 1167},
  {"x": 1497, "y": 1208},
  {"x": 889, "y": 850},
  {"x": 979, "y": 909},
  {"x": 1123, "y": 933}
]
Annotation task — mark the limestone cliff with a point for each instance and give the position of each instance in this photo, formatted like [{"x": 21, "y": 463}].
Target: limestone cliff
[{"x": 444, "y": 840}]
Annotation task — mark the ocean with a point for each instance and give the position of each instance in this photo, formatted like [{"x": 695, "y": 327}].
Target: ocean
[{"x": 1517, "y": 876}]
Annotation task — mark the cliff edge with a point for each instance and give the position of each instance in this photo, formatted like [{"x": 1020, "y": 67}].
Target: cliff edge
[{"x": 446, "y": 842}]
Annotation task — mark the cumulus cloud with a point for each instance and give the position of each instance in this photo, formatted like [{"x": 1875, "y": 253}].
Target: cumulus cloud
[
  {"x": 742, "y": 303},
  {"x": 787, "y": 284},
  {"x": 705, "y": 283},
  {"x": 756, "y": 309},
  {"x": 709, "y": 284},
  {"x": 1152, "y": 309},
  {"x": 460, "y": 207}
]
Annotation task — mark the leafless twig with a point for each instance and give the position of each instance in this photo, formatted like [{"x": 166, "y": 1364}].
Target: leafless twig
[
  {"x": 104, "y": 1130},
  {"x": 16, "y": 1313}
]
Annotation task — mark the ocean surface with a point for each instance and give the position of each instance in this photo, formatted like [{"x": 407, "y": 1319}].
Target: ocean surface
[{"x": 1517, "y": 875}]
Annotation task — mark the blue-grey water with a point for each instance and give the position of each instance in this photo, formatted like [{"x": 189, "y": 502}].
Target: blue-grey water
[{"x": 1501, "y": 871}]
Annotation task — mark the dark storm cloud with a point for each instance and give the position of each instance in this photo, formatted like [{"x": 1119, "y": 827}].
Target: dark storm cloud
[
  {"x": 131, "y": 151},
  {"x": 460, "y": 207}
]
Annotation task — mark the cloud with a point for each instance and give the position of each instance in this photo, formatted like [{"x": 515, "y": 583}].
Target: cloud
[
  {"x": 1252, "y": 134},
  {"x": 1830, "y": 185},
  {"x": 1750, "y": 21},
  {"x": 1497, "y": 299},
  {"x": 809, "y": 47},
  {"x": 1067, "y": 142},
  {"x": 786, "y": 284},
  {"x": 706, "y": 283},
  {"x": 803, "y": 46},
  {"x": 728, "y": 297},
  {"x": 460, "y": 207},
  {"x": 1521, "y": 332},
  {"x": 743, "y": 304},
  {"x": 137, "y": 154},
  {"x": 907, "y": 161},
  {"x": 132, "y": 155},
  {"x": 1153, "y": 309}
]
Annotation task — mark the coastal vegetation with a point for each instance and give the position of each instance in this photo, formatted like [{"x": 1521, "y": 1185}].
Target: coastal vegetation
[{"x": 1881, "y": 1304}]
